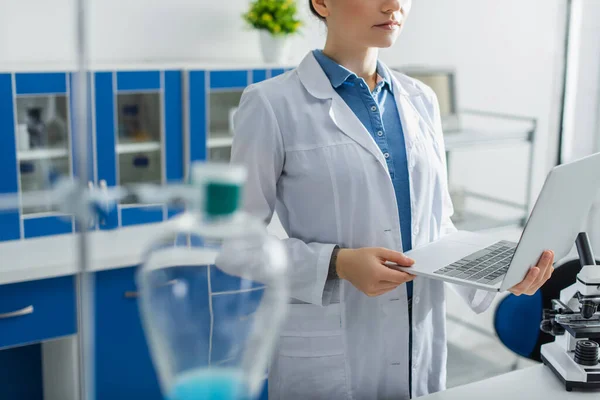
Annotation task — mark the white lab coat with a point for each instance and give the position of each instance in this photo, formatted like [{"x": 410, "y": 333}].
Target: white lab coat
[{"x": 310, "y": 159}]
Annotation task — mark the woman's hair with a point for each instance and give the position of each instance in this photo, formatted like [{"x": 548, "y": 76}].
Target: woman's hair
[{"x": 315, "y": 13}]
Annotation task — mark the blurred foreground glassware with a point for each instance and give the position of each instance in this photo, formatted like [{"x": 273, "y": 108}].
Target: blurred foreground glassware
[{"x": 213, "y": 294}]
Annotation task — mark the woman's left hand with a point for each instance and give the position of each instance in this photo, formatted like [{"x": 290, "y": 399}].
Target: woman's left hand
[{"x": 537, "y": 276}]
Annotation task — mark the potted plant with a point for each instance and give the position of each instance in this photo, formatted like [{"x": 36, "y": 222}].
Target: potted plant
[{"x": 276, "y": 21}]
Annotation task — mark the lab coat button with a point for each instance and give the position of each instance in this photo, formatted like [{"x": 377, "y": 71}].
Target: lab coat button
[{"x": 417, "y": 299}]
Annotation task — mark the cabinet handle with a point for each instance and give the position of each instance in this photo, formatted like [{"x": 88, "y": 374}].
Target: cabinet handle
[
  {"x": 18, "y": 313},
  {"x": 134, "y": 294}
]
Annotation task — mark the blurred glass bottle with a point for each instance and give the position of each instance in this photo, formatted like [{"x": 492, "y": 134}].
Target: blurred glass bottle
[
  {"x": 132, "y": 127},
  {"x": 213, "y": 294},
  {"x": 36, "y": 128}
]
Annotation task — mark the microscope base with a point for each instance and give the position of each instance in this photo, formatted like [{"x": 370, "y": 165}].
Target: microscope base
[{"x": 573, "y": 375}]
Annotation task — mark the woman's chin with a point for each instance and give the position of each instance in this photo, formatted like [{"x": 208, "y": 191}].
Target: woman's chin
[{"x": 383, "y": 43}]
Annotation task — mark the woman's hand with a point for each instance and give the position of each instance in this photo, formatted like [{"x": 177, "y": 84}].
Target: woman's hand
[
  {"x": 365, "y": 269},
  {"x": 537, "y": 276}
]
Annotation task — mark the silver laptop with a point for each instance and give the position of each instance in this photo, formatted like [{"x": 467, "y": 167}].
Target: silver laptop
[{"x": 479, "y": 260}]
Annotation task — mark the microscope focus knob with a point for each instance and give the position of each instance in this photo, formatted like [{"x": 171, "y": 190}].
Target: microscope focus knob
[
  {"x": 549, "y": 313},
  {"x": 586, "y": 353}
]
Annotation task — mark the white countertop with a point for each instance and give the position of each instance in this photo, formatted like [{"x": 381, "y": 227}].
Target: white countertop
[
  {"x": 48, "y": 257},
  {"x": 529, "y": 383}
]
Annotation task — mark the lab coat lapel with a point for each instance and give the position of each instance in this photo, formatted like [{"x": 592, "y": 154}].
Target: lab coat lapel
[
  {"x": 317, "y": 84},
  {"x": 411, "y": 119},
  {"x": 345, "y": 119}
]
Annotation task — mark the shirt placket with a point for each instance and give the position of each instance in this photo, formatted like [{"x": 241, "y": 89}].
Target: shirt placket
[{"x": 377, "y": 129}]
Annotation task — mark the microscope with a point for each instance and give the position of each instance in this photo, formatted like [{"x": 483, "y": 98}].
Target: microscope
[{"x": 574, "y": 320}]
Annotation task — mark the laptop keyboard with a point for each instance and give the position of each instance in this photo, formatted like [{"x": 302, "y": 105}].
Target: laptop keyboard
[{"x": 487, "y": 266}]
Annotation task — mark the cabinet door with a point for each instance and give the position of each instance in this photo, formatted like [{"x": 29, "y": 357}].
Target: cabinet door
[
  {"x": 124, "y": 369},
  {"x": 259, "y": 75},
  {"x": 123, "y": 365},
  {"x": 43, "y": 141},
  {"x": 214, "y": 98},
  {"x": 10, "y": 220},
  {"x": 139, "y": 137}
]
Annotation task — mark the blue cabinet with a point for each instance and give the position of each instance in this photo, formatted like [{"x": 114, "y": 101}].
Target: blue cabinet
[
  {"x": 30, "y": 313},
  {"x": 124, "y": 369},
  {"x": 39, "y": 310},
  {"x": 212, "y": 98},
  {"x": 144, "y": 127},
  {"x": 35, "y": 149},
  {"x": 139, "y": 137}
]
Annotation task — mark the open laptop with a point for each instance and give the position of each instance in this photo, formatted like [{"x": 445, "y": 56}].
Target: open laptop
[{"x": 479, "y": 260}]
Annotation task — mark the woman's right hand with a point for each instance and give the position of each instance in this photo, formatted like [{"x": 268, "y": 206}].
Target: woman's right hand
[{"x": 365, "y": 268}]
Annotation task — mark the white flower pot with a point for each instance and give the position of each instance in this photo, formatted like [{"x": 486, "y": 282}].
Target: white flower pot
[{"x": 274, "y": 48}]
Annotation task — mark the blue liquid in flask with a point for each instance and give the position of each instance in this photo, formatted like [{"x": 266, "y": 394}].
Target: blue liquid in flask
[{"x": 209, "y": 384}]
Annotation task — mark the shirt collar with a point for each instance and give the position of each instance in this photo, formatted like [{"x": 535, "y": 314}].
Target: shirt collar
[{"x": 338, "y": 74}]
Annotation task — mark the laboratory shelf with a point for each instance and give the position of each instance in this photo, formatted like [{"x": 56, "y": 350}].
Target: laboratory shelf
[
  {"x": 41, "y": 154},
  {"x": 141, "y": 147},
  {"x": 471, "y": 221},
  {"x": 220, "y": 141},
  {"x": 476, "y": 138},
  {"x": 482, "y": 129}
]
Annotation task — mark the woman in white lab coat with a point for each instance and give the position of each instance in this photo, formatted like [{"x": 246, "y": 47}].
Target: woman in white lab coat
[{"x": 351, "y": 157}]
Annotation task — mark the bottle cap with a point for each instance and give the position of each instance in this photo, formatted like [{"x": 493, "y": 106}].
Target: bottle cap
[{"x": 221, "y": 184}]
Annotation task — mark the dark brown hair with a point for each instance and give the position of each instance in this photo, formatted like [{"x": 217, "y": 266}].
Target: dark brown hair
[{"x": 312, "y": 10}]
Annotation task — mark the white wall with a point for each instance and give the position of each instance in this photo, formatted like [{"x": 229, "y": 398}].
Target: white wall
[
  {"x": 581, "y": 127},
  {"x": 507, "y": 56}
]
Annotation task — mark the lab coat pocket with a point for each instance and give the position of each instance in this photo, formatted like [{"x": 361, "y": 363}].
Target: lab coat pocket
[{"x": 311, "y": 360}]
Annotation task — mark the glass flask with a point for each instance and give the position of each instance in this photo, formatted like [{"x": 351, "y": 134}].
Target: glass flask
[{"x": 213, "y": 294}]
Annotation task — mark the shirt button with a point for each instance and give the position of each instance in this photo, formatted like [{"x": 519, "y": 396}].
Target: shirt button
[
  {"x": 373, "y": 108},
  {"x": 386, "y": 155},
  {"x": 379, "y": 133}
]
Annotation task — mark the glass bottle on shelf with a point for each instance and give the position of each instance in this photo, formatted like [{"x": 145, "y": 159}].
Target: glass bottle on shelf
[
  {"x": 42, "y": 137},
  {"x": 36, "y": 128},
  {"x": 213, "y": 294}
]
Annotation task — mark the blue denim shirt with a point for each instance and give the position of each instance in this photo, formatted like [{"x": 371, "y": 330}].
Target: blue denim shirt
[{"x": 378, "y": 112}]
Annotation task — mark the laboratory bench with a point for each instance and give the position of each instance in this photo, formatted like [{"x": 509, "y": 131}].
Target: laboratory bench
[
  {"x": 531, "y": 383},
  {"x": 38, "y": 316},
  {"x": 147, "y": 124}
]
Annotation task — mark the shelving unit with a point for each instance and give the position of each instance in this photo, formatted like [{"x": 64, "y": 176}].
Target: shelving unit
[{"x": 504, "y": 133}]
